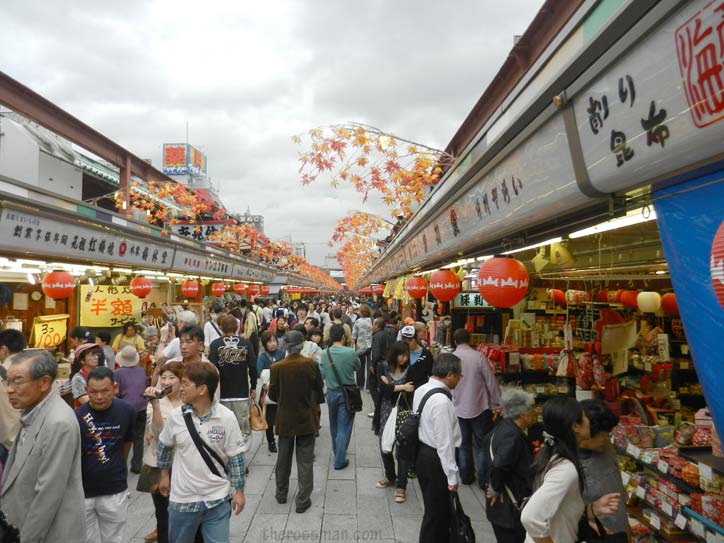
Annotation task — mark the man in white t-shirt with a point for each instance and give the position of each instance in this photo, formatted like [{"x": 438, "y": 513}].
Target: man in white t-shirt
[
  {"x": 173, "y": 349},
  {"x": 200, "y": 491},
  {"x": 211, "y": 328}
]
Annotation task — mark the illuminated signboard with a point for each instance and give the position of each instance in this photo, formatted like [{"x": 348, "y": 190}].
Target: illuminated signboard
[{"x": 183, "y": 159}]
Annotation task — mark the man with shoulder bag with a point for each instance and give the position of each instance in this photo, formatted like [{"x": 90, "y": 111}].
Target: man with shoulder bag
[
  {"x": 340, "y": 365},
  {"x": 203, "y": 439}
]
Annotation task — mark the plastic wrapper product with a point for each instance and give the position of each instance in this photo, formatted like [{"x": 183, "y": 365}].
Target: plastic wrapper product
[
  {"x": 713, "y": 484},
  {"x": 626, "y": 463},
  {"x": 584, "y": 377},
  {"x": 702, "y": 437},
  {"x": 715, "y": 443},
  {"x": 712, "y": 507},
  {"x": 663, "y": 435},
  {"x": 684, "y": 434},
  {"x": 690, "y": 474}
]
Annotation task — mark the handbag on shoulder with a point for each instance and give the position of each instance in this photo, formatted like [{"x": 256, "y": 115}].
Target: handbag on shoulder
[
  {"x": 257, "y": 421},
  {"x": 352, "y": 394}
]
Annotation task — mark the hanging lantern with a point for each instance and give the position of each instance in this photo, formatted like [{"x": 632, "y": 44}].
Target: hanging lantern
[
  {"x": 669, "y": 304},
  {"x": 254, "y": 290},
  {"x": 602, "y": 296},
  {"x": 558, "y": 297},
  {"x": 614, "y": 296},
  {"x": 141, "y": 286},
  {"x": 648, "y": 302},
  {"x": 417, "y": 287},
  {"x": 444, "y": 285},
  {"x": 190, "y": 288},
  {"x": 716, "y": 264},
  {"x": 629, "y": 298},
  {"x": 378, "y": 290},
  {"x": 58, "y": 285},
  {"x": 576, "y": 297},
  {"x": 218, "y": 289},
  {"x": 503, "y": 282},
  {"x": 265, "y": 290},
  {"x": 240, "y": 288}
]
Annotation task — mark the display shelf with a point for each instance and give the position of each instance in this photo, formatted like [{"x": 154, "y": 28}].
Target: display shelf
[
  {"x": 702, "y": 455},
  {"x": 637, "y": 513},
  {"x": 684, "y": 486},
  {"x": 712, "y": 526}
]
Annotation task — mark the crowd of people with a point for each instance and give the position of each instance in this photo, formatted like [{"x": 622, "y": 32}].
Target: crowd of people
[{"x": 185, "y": 422}]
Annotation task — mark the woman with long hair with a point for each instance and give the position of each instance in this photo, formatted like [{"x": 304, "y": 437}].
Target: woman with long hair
[
  {"x": 553, "y": 513},
  {"x": 156, "y": 414},
  {"x": 394, "y": 386}
]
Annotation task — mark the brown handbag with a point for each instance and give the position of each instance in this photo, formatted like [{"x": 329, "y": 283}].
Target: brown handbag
[{"x": 257, "y": 421}]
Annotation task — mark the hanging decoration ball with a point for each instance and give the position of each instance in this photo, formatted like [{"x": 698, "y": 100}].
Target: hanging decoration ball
[
  {"x": 614, "y": 296},
  {"x": 444, "y": 285},
  {"x": 218, "y": 289},
  {"x": 602, "y": 296},
  {"x": 503, "y": 282},
  {"x": 648, "y": 302},
  {"x": 141, "y": 286},
  {"x": 716, "y": 264},
  {"x": 240, "y": 288},
  {"x": 190, "y": 288},
  {"x": 265, "y": 290},
  {"x": 629, "y": 299},
  {"x": 669, "y": 304},
  {"x": 417, "y": 287},
  {"x": 558, "y": 297},
  {"x": 378, "y": 289},
  {"x": 58, "y": 285},
  {"x": 576, "y": 297},
  {"x": 254, "y": 290}
]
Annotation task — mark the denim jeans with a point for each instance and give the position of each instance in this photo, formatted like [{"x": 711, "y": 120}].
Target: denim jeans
[
  {"x": 472, "y": 431},
  {"x": 340, "y": 426},
  {"x": 214, "y": 524}
]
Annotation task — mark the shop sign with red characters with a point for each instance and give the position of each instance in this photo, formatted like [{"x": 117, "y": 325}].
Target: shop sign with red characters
[{"x": 108, "y": 306}]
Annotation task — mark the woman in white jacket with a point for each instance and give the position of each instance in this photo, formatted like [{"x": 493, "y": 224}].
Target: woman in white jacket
[{"x": 554, "y": 510}]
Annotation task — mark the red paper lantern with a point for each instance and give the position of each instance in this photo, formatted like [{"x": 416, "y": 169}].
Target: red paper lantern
[
  {"x": 575, "y": 297},
  {"x": 629, "y": 298},
  {"x": 265, "y": 290},
  {"x": 141, "y": 286},
  {"x": 558, "y": 297},
  {"x": 378, "y": 290},
  {"x": 190, "y": 288},
  {"x": 444, "y": 285},
  {"x": 614, "y": 296},
  {"x": 254, "y": 290},
  {"x": 669, "y": 304},
  {"x": 417, "y": 287},
  {"x": 218, "y": 289},
  {"x": 503, "y": 282},
  {"x": 602, "y": 296},
  {"x": 58, "y": 285},
  {"x": 239, "y": 288},
  {"x": 716, "y": 267}
]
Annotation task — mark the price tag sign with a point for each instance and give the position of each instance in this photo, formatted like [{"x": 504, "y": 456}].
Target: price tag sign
[
  {"x": 683, "y": 365},
  {"x": 633, "y": 450},
  {"x": 663, "y": 466},
  {"x": 625, "y": 477},
  {"x": 705, "y": 472},
  {"x": 666, "y": 507},
  {"x": 655, "y": 521},
  {"x": 540, "y": 390},
  {"x": 641, "y": 492},
  {"x": 680, "y": 521},
  {"x": 711, "y": 537},
  {"x": 648, "y": 457},
  {"x": 697, "y": 528},
  {"x": 49, "y": 331}
]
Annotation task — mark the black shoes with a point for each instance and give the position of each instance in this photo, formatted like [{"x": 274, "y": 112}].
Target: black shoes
[
  {"x": 346, "y": 463},
  {"x": 303, "y": 508},
  {"x": 272, "y": 447},
  {"x": 281, "y": 500}
]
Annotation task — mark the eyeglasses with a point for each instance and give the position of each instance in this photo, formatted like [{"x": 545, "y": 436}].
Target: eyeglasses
[{"x": 19, "y": 382}]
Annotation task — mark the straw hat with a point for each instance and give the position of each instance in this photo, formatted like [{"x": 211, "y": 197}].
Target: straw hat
[{"x": 127, "y": 357}]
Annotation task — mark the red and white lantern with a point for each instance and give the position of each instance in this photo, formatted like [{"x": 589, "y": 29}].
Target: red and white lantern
[
  {"x": 557, "y": 296},
  {"x": 669, "y": 304},
  {"x": 576, "y": 297},
  {"x": 254, "y": 290},
  {"x": 141, "y": 286},
  {"x": 503, "y": 282},
  {"x": 58, "y": 285},
  {"x": 444, "y": 285},
  {"x": 265, "y": 290},
  {"x": 417, "y": 287},
  {"x": 190, "y": 288},
  {"x": 629, "y": 298},
  {"x": 716, "y": 266},
  {"x": 648, "y": 302},
  {"x": 240, "y": 288},
  {"x": 378, "y": 289},
  {"x": 218, "y": 289}
]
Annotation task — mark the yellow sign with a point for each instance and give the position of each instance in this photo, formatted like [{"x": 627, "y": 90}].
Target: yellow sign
[
  {"x": 49, "y": 331},
  {"x": 108, "y": 306}
]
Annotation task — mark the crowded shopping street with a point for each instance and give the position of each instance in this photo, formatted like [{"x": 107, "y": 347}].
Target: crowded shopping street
[{"x": 409, "y": 272}]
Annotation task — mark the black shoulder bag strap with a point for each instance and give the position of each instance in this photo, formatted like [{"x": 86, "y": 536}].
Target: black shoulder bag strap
[
  {"x": 204, "y": 449},
  {"x": 430, "y": 393},
  {"x": 334, "y": 369}
]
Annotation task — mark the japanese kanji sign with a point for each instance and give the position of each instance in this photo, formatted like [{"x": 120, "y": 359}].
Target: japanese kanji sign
[
  {"x": 108, "y": 306},
  {"x": 198, "y": 231},
  {"x": 465, "y": 300},
  {"x": 49, "y": 331}
]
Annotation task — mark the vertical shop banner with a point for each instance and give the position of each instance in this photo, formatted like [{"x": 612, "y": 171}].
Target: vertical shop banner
[
  {"x": 691, "y": 223},
  {"x": 108, "y": 306}
]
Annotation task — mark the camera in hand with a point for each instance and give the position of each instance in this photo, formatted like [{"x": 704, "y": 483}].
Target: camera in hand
[{"x": 164, "y": 392}]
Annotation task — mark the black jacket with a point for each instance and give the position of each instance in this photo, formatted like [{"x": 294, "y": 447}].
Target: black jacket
[
  {"x": 420, "y": 372},
  {"x": 387, "y": 392}
]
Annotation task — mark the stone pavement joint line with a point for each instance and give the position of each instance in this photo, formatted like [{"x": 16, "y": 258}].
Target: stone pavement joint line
[{"x": 346, "y": 506}]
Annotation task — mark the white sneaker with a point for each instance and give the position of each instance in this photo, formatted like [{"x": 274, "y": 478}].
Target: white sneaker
[{"x": 371, "y": 415}]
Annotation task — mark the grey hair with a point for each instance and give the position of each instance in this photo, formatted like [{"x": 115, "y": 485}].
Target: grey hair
[
  {"x": 42, "y": 363},
  {"x": 516, "y": 402},
  {"x": 188, "y": 317},
  {"x": 294, "y": 348},
  {"x": 446, "y": 363}
]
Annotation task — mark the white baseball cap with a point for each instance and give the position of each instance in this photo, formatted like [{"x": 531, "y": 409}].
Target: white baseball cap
[{"x": 408, "y": 331}]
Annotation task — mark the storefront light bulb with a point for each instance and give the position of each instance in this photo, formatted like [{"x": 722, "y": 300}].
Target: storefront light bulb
[{"x": 31, "y": 278}]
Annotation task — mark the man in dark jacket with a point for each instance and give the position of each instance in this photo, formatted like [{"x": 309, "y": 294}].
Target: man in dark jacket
[{"x": 296, "y": 385}]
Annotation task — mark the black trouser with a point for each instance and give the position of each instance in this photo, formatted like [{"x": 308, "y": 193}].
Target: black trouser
[
  {"x": 305, "y": 467},
  {"x": 435, "y": 495},
  {"x": 388, "y": 461},
  {"x": 364, "y": 363},
  {"x": 271, "y": 415},
  {"x": 139, "y": 432},
  {"x": 373, "y": 384},
  {"x": 509, "y": 535},
  {"x": 160, "y": 503}
]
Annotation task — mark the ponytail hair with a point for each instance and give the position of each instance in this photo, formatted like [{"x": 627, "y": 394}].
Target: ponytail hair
[{"x": 559, "y": 415}]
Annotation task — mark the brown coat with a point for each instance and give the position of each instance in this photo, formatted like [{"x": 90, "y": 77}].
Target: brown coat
[{"x": 296, "y": 385}]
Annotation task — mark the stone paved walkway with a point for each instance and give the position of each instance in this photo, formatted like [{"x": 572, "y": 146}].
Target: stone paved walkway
[{"x": 346, "y": 506}]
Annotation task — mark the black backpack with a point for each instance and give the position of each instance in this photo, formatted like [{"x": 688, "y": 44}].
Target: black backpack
[{"x": 407, "y": 426}]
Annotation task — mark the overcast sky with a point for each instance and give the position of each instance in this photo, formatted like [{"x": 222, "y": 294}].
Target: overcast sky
[{"x": 249, "y": 75}]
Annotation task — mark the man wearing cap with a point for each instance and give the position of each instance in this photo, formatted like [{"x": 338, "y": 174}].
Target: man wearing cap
[
  {"x": 420, "y": 358},
  {"x": 296, "y": 385},
  {"x": 132, "y": 382}
]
